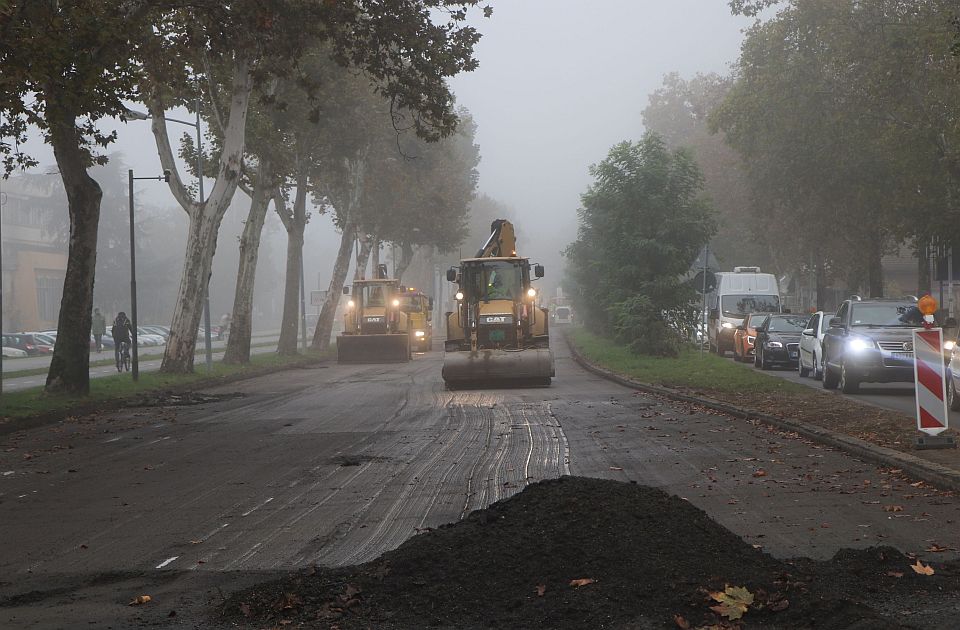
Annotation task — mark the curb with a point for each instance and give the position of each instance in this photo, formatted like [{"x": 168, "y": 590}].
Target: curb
[
  {"x": 942, "y": 476},
  {"x": 84, "y": 409}
]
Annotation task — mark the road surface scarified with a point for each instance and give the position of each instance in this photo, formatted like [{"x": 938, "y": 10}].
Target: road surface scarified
[{"x": 334, "y": 465}]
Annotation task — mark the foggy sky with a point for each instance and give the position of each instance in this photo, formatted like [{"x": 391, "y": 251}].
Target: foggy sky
[{"x": 561, "y": 81}]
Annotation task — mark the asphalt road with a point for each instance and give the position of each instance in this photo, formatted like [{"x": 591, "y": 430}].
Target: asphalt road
[
  {"x": 335, "y": 464},
  {"x": 896, "y": 396}
]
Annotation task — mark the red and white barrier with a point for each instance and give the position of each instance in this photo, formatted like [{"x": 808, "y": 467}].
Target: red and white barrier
[{"x": 931, "y": 383}]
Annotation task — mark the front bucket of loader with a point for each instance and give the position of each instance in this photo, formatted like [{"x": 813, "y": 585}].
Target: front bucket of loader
[
  {"x": 490, "y": 366},
  {"x": 393, "y": 348}
]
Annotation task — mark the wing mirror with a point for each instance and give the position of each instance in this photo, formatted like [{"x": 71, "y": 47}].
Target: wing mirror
[
  {"x": 538, "y": 271},
  {"x": 346, "y": 290},
  {"x": 808, "y": 332},
  {"x": 451, "y": 275},
  {"x": 835, "y": 322}
]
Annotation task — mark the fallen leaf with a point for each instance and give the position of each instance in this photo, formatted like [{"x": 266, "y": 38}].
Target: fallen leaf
[
  {"x": 541, "y": 589},
  {"x": 582, "y": 582},
  {"x": 140, "y": 599},
  {"x": 195, "y": 542},
  {"x": 732, "y": 602},
  {"x": 893, "y": 508},
  {"x": 682, "y": 623},
  {"x": 935, "y": 548},
  {"x": 760, "y": 473},
  {"x": 896, "y": 574},
  {"x": 922, "y": 569},
  {"x": 779, "y": 605},
  {"x": 245, "y": 609},
  {"x": 615, "y": 468}
]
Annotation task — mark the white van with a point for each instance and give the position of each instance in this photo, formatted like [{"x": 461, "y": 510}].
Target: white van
[{"x": 738, "y": 293}]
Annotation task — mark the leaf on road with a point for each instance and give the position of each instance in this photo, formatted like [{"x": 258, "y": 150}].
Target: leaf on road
[
  {"x": 896, "y": 574},
  {"x": 893, "y": 508},
  {"x": 779, "y": 605},
  {"x": 682, "y": 623},
  {"x": 760, "y": 473},
  {"x": 582, "y": 582},
  {"x": 732, "y": 602},
  {"x": 541, "y": 589},
  {"x": 140, "y": 599},
  {"x": 615, "y": 468},
  {"x": 922, "y": 569},
  {"x": 245, "y": 609},
  {"x": 935, "y": 548}
]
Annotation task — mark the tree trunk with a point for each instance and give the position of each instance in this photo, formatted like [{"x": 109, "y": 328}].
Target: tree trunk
[
  {"x": 182, "y": 342},
  {"x": 875, "y": 269},
  {"x": 820, "y": 277},
  {"x": 69, "y": 371},
  {"x": 363, "y": 258},
  {"x": 205, "y": 216},
  {"x": 241, "y": 322},
  {"x": 406, "y": 257},
  {"x": 924, "y": 284},
  {"x": 295, "y": 224},
  {"x": 375, "y": 258},
  {"x": 321, "y": 336}
]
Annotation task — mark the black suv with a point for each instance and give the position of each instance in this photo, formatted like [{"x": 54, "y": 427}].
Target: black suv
[
  {"x": 778, "y": 341},
  {"x": 872, "y": 341}
]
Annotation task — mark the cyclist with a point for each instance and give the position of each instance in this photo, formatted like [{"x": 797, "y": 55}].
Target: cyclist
[{"x": 121, "y": 333}]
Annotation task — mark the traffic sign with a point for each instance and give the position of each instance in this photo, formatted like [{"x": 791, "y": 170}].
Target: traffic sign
[
  {"x": 697, "y": 281},
  {"x": 930, "y": 381}
]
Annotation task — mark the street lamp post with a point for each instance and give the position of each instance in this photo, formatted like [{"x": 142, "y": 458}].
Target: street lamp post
[
  {"x": 133, "y": 273},
  {"x": 135, "y": 115}
]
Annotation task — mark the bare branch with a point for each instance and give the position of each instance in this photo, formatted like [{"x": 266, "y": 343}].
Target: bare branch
[{"x": 159, "y": 127}]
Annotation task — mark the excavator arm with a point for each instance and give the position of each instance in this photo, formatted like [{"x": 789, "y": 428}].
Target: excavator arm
[{"x": 502, "y": 241}]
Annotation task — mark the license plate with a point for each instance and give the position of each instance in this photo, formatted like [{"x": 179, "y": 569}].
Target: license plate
[{"x": 903, "y": 356}]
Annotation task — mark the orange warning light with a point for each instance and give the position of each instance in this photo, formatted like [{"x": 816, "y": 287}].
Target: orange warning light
[{"x": 927, "y": 305}]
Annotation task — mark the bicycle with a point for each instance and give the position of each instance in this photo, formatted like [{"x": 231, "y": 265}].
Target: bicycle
[{"x": 123, "y": 360}]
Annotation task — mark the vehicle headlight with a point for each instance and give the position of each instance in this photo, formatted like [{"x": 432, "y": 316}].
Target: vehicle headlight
[
  {"x": 773, "y": 344},
  {"x": 459, "y": 295},
  {"x": 419, "y": 333},
  {"x": 532, "y": 292},
  {"x": 396, "y": 302},
  {"x": 726, "y": 325},
  {"x": 949, "y": 345},
  {"x": 350, "y": 304},
  {"x": 859, "y": 345}
]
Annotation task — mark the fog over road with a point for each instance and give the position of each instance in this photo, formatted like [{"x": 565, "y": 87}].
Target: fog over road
[{"x": 334, "y": 465}]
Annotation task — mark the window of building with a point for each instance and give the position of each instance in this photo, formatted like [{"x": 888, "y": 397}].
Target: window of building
[{"x": 49, "y": 293}]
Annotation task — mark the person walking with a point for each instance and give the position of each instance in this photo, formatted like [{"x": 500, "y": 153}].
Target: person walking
[
  {"x": 121, "y": 332},
  {"x": 98, "y": 328}
]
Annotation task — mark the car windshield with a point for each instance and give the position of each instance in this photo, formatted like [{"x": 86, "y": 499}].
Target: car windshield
[
  {"x": 563, "y": 311},
  {"x": 411, "y": 304},
  {"x": 788, "y": 323},
  {"x": 733, "y": 305},
  {"x": 373, "y": 295},
  {"x": 904, "y": 315}
]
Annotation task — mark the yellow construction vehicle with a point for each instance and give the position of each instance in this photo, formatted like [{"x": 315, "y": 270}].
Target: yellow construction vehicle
[
  {"x": 419, "y": 311},
  {"x": 375, "y": 329},
  {"x": 498, "y": 332}
]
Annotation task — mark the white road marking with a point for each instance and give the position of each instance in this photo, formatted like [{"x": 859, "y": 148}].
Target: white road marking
[
  {"x": 166, "y": 437},
  {"x": 9, "y": 472},
  {"x": 166, "y": 562},
  {"x": 256, "y": 507},
  {"x": 112, "y": 440}
]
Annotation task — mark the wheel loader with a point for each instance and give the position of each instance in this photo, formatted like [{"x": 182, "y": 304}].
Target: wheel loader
[
  {"x": 419, "y": 310},
  {"x": 375, "y": 330},
  {"x": 498, "y": 331}
]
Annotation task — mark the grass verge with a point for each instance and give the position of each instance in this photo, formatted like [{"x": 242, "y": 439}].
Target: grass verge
[
  {"x": 116, "y": 388},
  {"x": 691, "y": 370}
]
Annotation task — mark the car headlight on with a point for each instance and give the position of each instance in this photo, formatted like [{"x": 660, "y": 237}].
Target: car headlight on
[
  {"x": 350, "y": 304},
  {"x": 773, "y": 344},
  {"x": 396, "y": 302},
  {"x": 949, "y": 345},
  {"x": 459, "y": 295},
  {"x": 419, "y": 333},
  {"x": 859, "y": 345},
  {"x": 726, "y": 325},
  {"x": 532, "y": 292}
]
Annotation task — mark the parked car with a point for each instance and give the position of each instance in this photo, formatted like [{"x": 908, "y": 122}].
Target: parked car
[
  {"x": 27, "y": 343},
  {"x": 162, "y": 331},
  {"x": 13, "y": 353},
  {"x": 870, "y": 341},
  {"x": 811, "y": 344},
  {"x": 778, "y": 341},
  {"x": 743, "y": 291},
  {"x": 45, "y": 339},
  {"x": 145, "y": 338},
  {"x": 745, "y": 335}
]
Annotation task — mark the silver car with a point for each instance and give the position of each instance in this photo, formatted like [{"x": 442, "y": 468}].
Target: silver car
[{"x": 811, "y": 344}]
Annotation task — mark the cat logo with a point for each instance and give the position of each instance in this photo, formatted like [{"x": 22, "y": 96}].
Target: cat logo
[
  {"x": 374, "y": 320},
  {"x": 497, "y": 319}
]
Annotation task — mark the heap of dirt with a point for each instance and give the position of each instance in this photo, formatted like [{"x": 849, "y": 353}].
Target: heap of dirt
[{"x": 653, "y": 559}]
